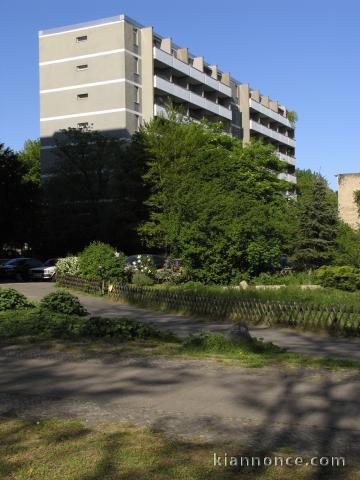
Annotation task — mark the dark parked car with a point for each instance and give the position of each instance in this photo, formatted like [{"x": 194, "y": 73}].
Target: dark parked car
[
  {"x": 45, "y": 272},
  {"x": 18, "y": 268}
]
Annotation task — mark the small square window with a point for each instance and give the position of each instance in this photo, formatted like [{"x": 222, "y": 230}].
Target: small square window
[
  {"x": 82, "y": 95},
  {"x": 82, "y": 67},
  {"x": 82, "y": 38}
]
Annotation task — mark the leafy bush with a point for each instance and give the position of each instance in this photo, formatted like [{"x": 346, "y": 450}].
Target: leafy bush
[
  {"x": 298, "y": 278},
  {"x": 62, "y": 302},
  {"x": 218, "y": 343},
  {"x": 100, "y": 261},
  {"x": 144, "y": 264},
  {"x": 121, "y": 328},
  {"x": 343, "y": 277},
  {"x": 141, "y": 279},
  {"x": 39, "y": 322},
  {"x": 171, "y": 273},
  {"x": 11, "y": 299},
  {"x": 67, "y": 266}
]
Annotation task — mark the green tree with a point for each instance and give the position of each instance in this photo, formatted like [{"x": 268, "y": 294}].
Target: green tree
[
  {"x": 317, "y": 225},
  {"x": 30, "y": 157},
  {"x": 347, "y": 246},
  {"x": 213, "y": 202},
  {"x": 19, "y": 201}
]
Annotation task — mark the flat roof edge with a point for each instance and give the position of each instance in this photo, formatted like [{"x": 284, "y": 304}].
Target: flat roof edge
[{"x": 116, "y": 18}]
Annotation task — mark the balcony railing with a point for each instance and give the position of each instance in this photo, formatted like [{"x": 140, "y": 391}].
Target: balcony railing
[
  {"x": 268, "y": 132},
  {"x": 287, "y": 176},
  {"x": 191, "y": 97},
  {"x": 286, "y": 158},
  {"x": 190, "y": 71},
  {"x": 270, "y": 113}
]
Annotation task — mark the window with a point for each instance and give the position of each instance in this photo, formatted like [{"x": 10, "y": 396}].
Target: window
[
  {"x": 137, "y": 94},
  {"x": 81, "y": 67},
  {"x": 82, "y": 38},
  {"x": 83, "y": 125},
  {"x": 82, "y": 95},
  {"x": 136, "y": 60},
  {"x": 136, "y": 36},
  {"x": 137, "y": 122}
]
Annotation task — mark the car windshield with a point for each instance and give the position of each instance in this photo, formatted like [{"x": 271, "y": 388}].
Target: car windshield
[
  {"x": 51, "y": 262},
  {"x": 12, "y": 262}
]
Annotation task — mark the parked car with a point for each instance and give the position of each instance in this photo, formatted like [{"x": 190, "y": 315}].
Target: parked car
[
  {"x": 157, "y": 260},
  {"x": 46, "y": 271},
  {"x": 18, "y": 268}
]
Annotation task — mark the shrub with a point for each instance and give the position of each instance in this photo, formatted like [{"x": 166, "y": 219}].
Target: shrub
[
  {"x": 343, "y": 277},
  {"x": 144, "y": 264},
  {"x": 62, "y": 302},
  {"x": 67, "y": 266},
  {"x": 171, "y": 273},
  {"x": 141, "y": 279},
  {"x": 218, "y": 343},
  {"x": 100, "y": 261},
  {"x": 11, "y": 299},
  {"x": 295, "y": 278},
  {"x": 121, "y": 328}
]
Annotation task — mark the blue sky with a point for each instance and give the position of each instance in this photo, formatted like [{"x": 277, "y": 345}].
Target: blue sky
[{"x": 305, "y": 53}]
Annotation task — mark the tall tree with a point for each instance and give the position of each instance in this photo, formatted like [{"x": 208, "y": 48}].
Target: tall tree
[
  {"x": 19, "y": 201},
  {"x": 317, "y": 226},
  {"x": 213, "y": 202}
]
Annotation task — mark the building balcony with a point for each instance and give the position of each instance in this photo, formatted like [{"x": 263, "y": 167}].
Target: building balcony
[
  {"x": 287, "y": 177},
  {"x": 269, "y": 113},
  {"x": 187, "y": 96},
  {"x": 191, "y": 72},
  {"x": 286, "y": 158},
  {"x": 268, "y": 132}
]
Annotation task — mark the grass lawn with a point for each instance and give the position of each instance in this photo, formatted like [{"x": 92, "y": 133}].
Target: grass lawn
[{"x": 70, "y": 450}]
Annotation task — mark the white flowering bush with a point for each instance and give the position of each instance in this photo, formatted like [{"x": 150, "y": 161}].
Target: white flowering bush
[
  {"x": 143, "y": 264},
  {"x": 68, "y": 266}
]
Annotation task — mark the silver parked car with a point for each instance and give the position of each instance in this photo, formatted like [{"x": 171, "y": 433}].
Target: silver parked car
[{"x": 45, "y": 272}]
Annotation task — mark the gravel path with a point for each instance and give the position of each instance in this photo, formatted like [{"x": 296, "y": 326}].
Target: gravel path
[{"x": 313, "y": 411}]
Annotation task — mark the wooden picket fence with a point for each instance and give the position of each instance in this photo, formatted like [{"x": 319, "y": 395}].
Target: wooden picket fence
[{"x": 343, "y": 319}]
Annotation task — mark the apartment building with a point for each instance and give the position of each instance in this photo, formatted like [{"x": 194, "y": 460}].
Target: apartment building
[
  {"x": 349, "y": 184},
  {"x": 114, "y": 74}
]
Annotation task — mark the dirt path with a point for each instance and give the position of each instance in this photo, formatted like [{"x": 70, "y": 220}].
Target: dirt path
[{"x": 301, "y": 342}]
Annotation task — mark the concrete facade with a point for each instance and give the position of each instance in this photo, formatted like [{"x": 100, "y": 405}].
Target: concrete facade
[
  {"x": 114, "y": 74},
  {"x": 349, "y": 183}
]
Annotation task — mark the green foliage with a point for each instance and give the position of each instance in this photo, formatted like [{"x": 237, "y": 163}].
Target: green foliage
[
  {"x": 357, "y": 199},
  {"x": 96, "y": 191},
  {"x": 295, "y": 278},
  {"x": 317, "y": 230},
  {"x": 19, "y": 201},
  {"x": 347, "y": 246},
  {"x": 68, "y": 266},
  {"x": 99, "y": 261},
  {"x": 62, "y": 302},
  {"x": 144, "y": 264},
  {"x": 292, "y": 116},
  {"x": 219, "y": 343},
  {"x": 11, "y": 299},
  {"x": 214, "y": 203},
  {"x": 30, "y": 157},
  {"x": 142, "y": 279},
  {"x": 343, "y": 277},
  {"x": 121, "y": 328},
  {"x": 171, "y": 273},
  {"x": 50, "y": 324}
]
